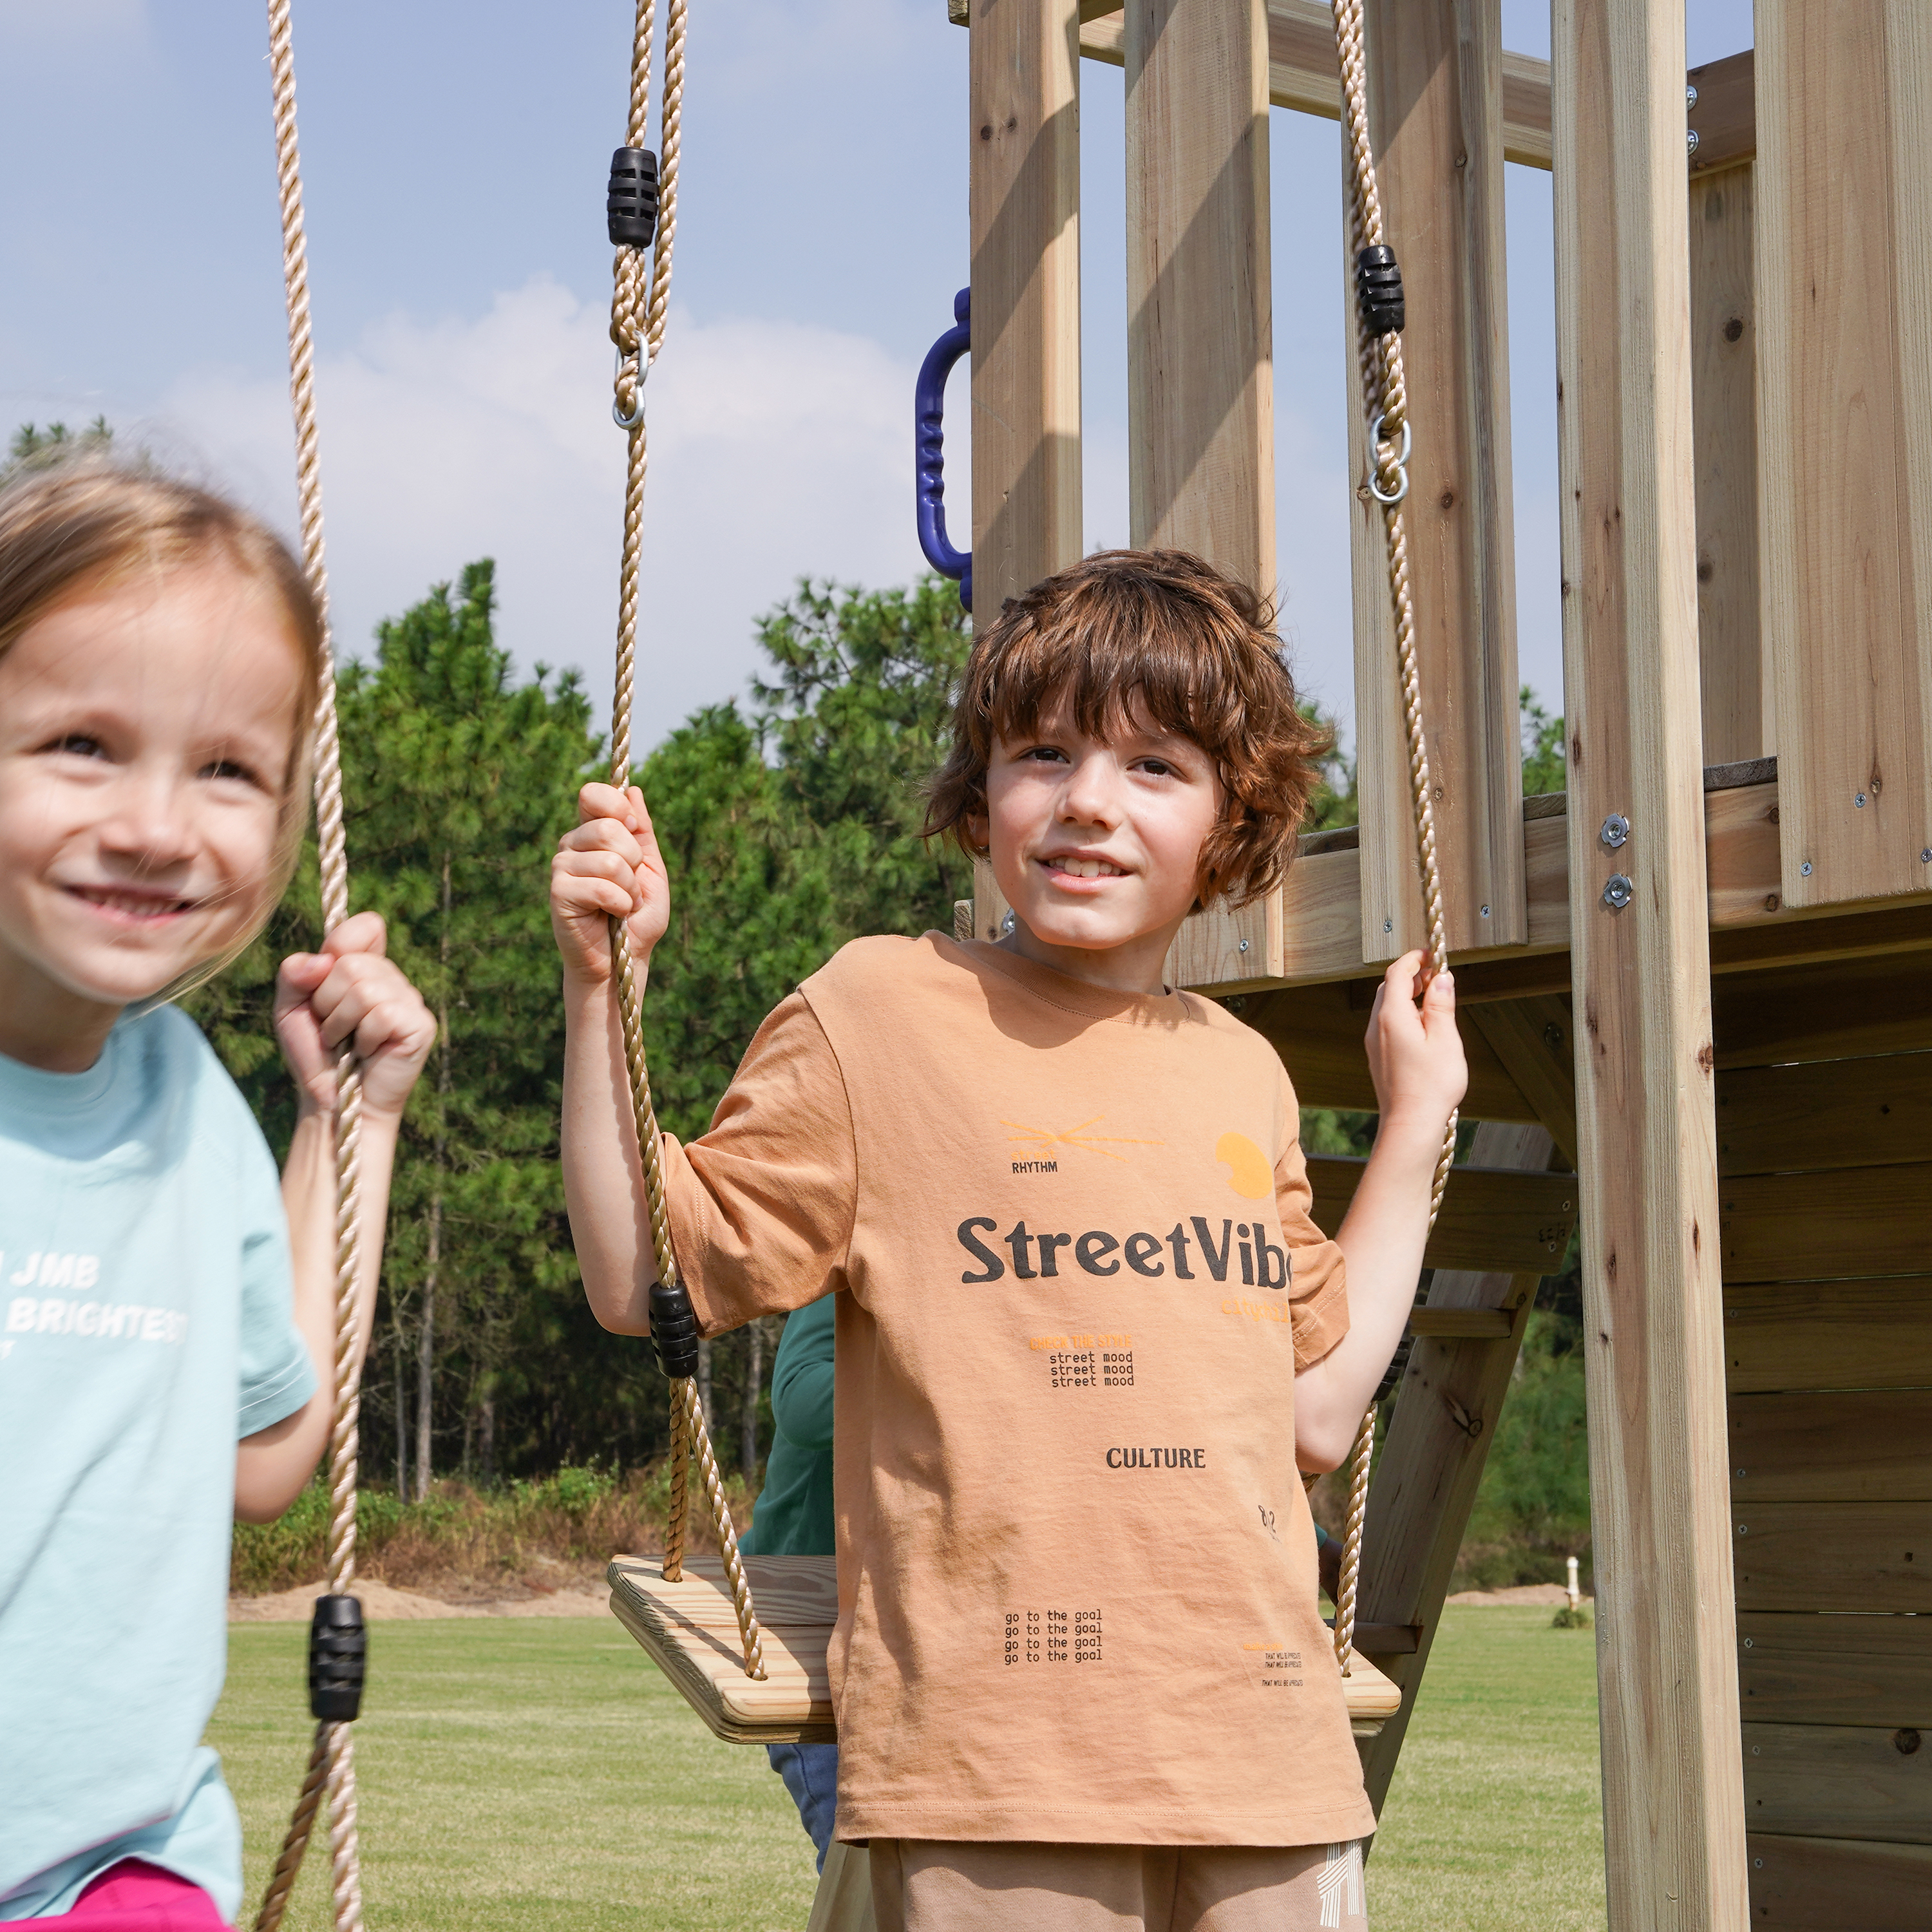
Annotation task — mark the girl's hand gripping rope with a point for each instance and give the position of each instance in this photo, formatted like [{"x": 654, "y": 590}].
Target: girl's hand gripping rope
[{"x": 609, "y": 867}]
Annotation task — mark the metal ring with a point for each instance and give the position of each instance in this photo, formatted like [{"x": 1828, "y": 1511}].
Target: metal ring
[
  {"x": 1401, "y": 462},
  {"x": 637, "y": 414}
]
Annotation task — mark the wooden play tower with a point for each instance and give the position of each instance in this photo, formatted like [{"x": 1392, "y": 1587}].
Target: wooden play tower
[{"x": 1697, "y": 990}]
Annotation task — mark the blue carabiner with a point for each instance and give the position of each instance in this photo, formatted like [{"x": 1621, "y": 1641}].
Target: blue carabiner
[{"x": 929, "y": 461}]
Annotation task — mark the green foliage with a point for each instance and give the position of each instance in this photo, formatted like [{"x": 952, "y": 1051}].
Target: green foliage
[
  {"x": 1544, "y": 765},
  {"x": 33, "y": 445}
]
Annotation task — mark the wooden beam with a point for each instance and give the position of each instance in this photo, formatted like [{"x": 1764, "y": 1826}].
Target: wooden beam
[
  {"x": 1834, "y": 1556},
  {"x": 1024, "y": 198},
  {"x": 1200, "y": 298},
  {"x": 1837, "y": 1781},
  {"x": 1849, "y": 1221},
  {"x": 1433, "y": 71},
  {"x": 1724, "y": 412},
  {"x": 1672, "y": 1802},
  {"x": 1798, "y": 1669},
  {"x": 1724, "y": 116},
  {"x": 1844, "y": 278},
  {"x": 1866, "y": 1113},
  {"x": 1809, "y": 1884},
  {"x": 1431, "y": 1464},
  {"x": 1867, "y": 1446},
  {"x": 1464, "y": 1325},
  {"x": 1837, "y": 1008},
  {"x": 1532, "y": 1039},
  {"x": 1829, "y": 1335},
  {"x": 1492, "y": 1219}
]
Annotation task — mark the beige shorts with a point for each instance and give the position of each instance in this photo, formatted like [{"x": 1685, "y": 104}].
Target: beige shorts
[{"x": 923, "y": 1884}]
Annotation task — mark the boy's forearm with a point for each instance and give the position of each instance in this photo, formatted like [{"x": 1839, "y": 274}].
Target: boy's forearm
[
  {"x": 1381, "y": 1240},
  {"x": 602, "y": 1189},
  {"x": 272, "y": 1465}
]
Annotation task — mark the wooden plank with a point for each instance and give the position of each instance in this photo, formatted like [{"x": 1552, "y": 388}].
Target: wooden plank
[
  {"x": 1854, "y": 933},
  {"x": 1844, "y": 277},
  {"x": 1492, "y": 1219},
  {"x": 1672, "y": 1804},
  {"x": 1838, "y": 1781},
  {"x": 1433, "y": 71},
  {"x": 1724, "y": 116},
  {"x": 1825, "y": 1114},
  {"x": 1200, "y": 303},
  {"x": 1831, "y": 1885},
  {"x": 1833, "y": 1556},
  {"x": 1432, "y": 1460},
  {"x": 1463, "y": 1325},
  {"x": 1797, "y": 1670},
  {"x": 1724, "y": 415},
  {"x": 1829, "y": 1335},
  {"x": 1836, "y": 1009},
  {"x": 1532, "y": 1039},
  {"x": 1852, "y": 1221},
  {"x": 1872, "y": 1446},
  {"x": 1023, "y": 185}
]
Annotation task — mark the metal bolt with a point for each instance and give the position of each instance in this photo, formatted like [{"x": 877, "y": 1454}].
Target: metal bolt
[
  {"x": 1858, "y": 799},
  {"x": 1806, "y": 868},
  {"x": 1618, "y": 893},
  {"x": 1616, "y": 830},
  {"x": 1244, "y": 946},
  {"x": 1006, "y": 924},
  {"x": 1689, "y": 97},
  {"x": 1691, "y": 140}
]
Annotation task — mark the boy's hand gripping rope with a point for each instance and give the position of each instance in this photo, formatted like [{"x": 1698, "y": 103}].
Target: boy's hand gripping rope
[
  {"x": 1379, "y": 319},
  {"x": 638, "y": 311},
  {"x": 336, "y": 1638}
]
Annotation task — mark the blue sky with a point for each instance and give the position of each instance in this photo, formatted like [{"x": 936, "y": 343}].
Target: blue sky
[{"x": 455, "y": 159}]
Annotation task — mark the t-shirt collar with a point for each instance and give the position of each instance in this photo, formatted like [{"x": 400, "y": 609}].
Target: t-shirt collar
[{"x": 1072, "y": 995}]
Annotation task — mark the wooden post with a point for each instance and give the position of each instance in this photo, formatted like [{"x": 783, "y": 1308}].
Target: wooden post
[
  {"x": 1436, "y": 121},
  {"x": 1200, "y": 309},
  {"x": 1024, "y": 185},
  {"x": 1844, "y": 276},
  {"x": 1673, "y": 1802}
]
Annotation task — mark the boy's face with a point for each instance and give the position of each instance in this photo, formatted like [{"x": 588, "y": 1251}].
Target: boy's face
[{"x": 1096, "y": 842}]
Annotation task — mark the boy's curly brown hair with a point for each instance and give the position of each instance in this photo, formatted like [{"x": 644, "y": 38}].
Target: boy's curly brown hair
[{"x": 1159, "y": 635}]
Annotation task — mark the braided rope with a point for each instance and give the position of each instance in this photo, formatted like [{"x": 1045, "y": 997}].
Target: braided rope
[
  {"x": 1384, "y": 390},
  {"x": 332, "y": 1760},
  {"x": 637, "y": 328}
]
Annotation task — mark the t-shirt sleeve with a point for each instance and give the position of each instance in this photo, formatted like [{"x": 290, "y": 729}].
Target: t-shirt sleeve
[
  {"x": 1318, "y": 1277},
  {"x": 802, "y": 1377},
  {"x": 762, "y": 1206},
  {"x": 276, "y": 1374}
]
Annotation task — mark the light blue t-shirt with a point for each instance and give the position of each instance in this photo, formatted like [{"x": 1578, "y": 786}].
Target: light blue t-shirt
[{"x": 146, "y": 1323}]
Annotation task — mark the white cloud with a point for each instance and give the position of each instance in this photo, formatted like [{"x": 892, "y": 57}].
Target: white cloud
[{"x": 776, "y": 449}]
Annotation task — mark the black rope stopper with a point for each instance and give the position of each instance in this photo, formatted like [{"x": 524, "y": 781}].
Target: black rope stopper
[
  {"x": 338, "y": 1647},
  {"x": 674, "y": 1330},
  {"x": 631, "y": 206},
  {"x": 1379, "y": 291}
]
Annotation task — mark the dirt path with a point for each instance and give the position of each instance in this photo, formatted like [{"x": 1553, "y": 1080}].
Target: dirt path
[{"x": 381, "y": 1603}]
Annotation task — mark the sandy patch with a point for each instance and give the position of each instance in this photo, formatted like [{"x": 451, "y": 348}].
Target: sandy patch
[
  {"x": 381, "y": 1603},
  {"x": 1518, "y": 1593}
]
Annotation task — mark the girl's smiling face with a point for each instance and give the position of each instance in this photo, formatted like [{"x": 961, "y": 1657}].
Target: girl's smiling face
[{"x": 147, "y": 734}]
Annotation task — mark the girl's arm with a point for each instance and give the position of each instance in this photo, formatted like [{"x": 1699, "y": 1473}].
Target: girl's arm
[
  {"x": 347, "y": 990},
  {"x": 1415, "y": 1056},
  {"x": 609, "y": 866}
]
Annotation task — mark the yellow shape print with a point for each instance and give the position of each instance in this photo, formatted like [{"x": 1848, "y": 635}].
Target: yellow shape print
[
  {"x": 1249, "y": 1173},
  {"x": 1044, "y": 1140}
]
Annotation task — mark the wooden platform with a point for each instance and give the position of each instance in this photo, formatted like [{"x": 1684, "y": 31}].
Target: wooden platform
[{"x": 690, "y": 1631}]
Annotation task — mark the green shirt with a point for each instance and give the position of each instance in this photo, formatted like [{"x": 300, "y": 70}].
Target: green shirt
[{"x": 792, "y": 1515}]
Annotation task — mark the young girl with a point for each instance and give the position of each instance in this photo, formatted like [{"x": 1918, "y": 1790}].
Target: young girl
[{"x": 166, "y": 1309}]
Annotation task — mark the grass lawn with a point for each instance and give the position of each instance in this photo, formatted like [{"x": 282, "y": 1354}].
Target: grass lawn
[{"x": 531, "y": 1774}]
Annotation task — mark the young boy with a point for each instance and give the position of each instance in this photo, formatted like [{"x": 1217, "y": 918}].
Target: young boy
[{"x": 1091, "y": 1331}]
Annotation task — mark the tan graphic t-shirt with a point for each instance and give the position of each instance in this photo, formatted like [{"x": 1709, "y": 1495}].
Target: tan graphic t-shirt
[{"x": 1076, "y": 1567}]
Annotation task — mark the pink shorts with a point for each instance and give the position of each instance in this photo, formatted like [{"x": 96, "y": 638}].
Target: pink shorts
[{"x": 132, "y": 1896}]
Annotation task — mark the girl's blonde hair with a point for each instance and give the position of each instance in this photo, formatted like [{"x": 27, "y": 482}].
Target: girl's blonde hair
[{"x": 88, "y": 523}]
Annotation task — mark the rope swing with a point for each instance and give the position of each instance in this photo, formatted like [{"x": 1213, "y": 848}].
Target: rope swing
[
  {"x": 1378, "y": 320},
  {"x": 336, "y": 1638}
]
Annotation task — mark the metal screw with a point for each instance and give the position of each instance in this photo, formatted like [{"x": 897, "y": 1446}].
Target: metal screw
[
  {"x": 1751, "y": 1642},
  {"x": 1689, "y": 97},
  {"x": 1740, "y": 1472},
  {"x": 1806, "y": 868},
  {"x": 1757, "y": 1864},
  {"x": 1858, "y": 799},
  {"x": 1618, "y": 893},
  {"x": 1616, "y": 830},
  {"x": 1388, "y": 925},
  {"x": 1925, "y": 857},
  {"x": 1244, "y": 946},
  {"x": 1691, "y": 139},
  {"x": 1006, "y": 924},
  {"x": 1485, "y": 912},
  {"x": 1552, "y": 1034},
  {"x": 1744, "y": 1529}
]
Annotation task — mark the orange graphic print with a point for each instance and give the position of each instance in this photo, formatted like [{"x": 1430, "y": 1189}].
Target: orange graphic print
[
  {"x": 1043, "y": 1140},
  {"x": 1250, "y": 1173}
]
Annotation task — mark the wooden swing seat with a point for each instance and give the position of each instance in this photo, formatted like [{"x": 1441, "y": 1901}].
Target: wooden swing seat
[{"x": 690, "y": 1631}]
